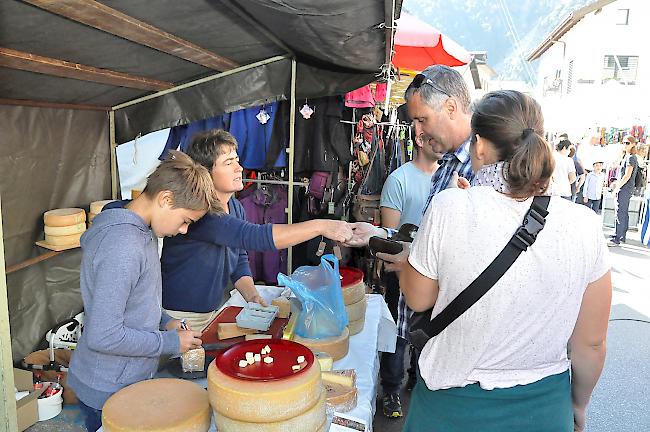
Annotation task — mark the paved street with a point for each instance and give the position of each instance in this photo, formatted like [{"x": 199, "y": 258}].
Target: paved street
[{"x": 620, "y": 401}]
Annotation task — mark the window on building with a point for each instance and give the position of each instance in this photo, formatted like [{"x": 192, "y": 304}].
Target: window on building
[
  {"x": 623, "y": 17},
  {"x": 621, "y": 68},
  {"x": 569, "y": 78}
]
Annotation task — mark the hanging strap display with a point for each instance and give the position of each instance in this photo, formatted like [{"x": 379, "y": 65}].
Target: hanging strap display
[{"x": 423, "y": 328}]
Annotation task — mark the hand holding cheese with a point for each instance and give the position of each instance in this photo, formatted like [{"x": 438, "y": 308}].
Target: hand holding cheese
[{"x": 189, "y": 340}]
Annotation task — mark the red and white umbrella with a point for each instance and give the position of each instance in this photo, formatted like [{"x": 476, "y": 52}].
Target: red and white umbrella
[{"x": 419, "y": 45}]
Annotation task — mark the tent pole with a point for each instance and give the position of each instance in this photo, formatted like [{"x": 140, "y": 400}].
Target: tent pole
[
  {"x": 199, "y": 81},
  {"x": 8, "y": 415},
  {"x": 292, "y": 140},
  {"x": 111, "y": 133}
]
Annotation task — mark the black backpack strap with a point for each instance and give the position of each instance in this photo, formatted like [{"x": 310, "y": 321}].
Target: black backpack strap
[{"x": 423, "y": 328}]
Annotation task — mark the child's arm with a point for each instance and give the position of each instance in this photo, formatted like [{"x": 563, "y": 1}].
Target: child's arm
[{"x": 116, "y": 269}]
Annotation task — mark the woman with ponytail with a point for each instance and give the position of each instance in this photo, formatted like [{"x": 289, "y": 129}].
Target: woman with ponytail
[{"x": 503, "y": 364}]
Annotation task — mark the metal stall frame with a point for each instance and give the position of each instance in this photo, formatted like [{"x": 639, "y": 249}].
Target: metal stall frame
[{"x": 290, "y": 150}]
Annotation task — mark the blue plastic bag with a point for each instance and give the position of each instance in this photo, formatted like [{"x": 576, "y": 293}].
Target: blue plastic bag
[{"x": 318, "y": 288}]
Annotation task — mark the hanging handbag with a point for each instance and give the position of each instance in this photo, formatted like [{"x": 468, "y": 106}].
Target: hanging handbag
[{"x": 423, "y": 328}]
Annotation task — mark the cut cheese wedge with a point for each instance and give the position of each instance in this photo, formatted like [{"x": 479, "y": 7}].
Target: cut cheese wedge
[
  {"x": 231, "y": 330},
  {"x": 64, "y": 217},
  {"x": 356, "y": 326},
  {"x": 337, "y": 347},
  {"x": 340, "y": 398},
  {"x": 97, "y": 206},
  {"x": 346, "y": 377},
  {"x": 160, "y": 405},
  {"x": 325, "y": 360},
  {"x": 64, "y": 240},
  {"x": 65, "y": 230},
  {"x": 310, "y": 420},
  {"x": 353, "y": 293},
  {"x": 264, "y": 401},
  {"x": 357, "y": 310}
]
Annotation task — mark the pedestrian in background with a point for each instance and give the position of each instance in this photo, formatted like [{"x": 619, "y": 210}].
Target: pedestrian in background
[{"x": 593, "y": 190}]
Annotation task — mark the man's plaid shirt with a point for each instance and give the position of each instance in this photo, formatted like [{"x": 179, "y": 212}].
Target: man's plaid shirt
[{"x": 459, "y": 162}]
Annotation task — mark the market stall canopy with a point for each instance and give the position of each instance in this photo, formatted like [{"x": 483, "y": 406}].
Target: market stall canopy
[
  {"x": 100, "y": 54},
  {"x": 419, "y": 45}
]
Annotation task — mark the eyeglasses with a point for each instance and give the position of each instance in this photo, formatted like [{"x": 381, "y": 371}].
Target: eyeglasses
[{"x": 421, "y": 79}]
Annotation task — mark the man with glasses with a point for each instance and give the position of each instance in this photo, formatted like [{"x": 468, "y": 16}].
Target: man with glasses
[
  {"x": 623, "y": 189},
  {"x": 439, "y": 104}
]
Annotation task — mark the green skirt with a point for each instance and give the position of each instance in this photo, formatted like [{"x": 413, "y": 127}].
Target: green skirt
[{"x": 542, "y": 406}]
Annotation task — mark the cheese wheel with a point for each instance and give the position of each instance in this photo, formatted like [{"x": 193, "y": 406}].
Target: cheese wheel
[
  {"x": 357, "y": 310},
  {"x": 64, "y": 240},
  {"x": 310, "y": 420},
  {"x": 356, "y": 326},
  {"x": 91, "y": 216},
  {"x": 65, "y": 230},
  {"x": 64, "y": 217},
  {"x": 353, "y": 293},
  {"x": 160, "y": 405},
  {"x": 264, "y": 401},
  {"x": 340, "y": 398},
  {"x": 97, "y": 206},
  {"x": 337, "y": 346}
]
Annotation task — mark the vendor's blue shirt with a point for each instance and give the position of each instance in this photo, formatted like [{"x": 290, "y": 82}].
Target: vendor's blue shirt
[{"x": 197, "y": 266}]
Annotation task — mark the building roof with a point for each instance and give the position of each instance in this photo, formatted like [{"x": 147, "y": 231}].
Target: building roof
[{"x": 566, "y": 25}]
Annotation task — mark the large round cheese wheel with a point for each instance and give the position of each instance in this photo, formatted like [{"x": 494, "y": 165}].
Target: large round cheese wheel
[
  {"x": 356, "y": 326},
  {"x": 357, "y": 310},
  {"x": 354, "y": 293},
  {"x": 65, "y": 230},
  {"x": 91, "y": 216},
  {"x": 97, "y": 206},
  {"x": 310, "y": 420},
  {"x": 64, "y": 217},
  {"x": 159, "y": 405},
  {"x": 337, "y": 346},
  {"x": 352, "y": 284},
  {"x": 64, "y": 240},
  {"x": 264, "y": 401}
]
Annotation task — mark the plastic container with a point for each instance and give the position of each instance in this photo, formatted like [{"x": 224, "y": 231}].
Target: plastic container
[{"x": 49, "y": 407}]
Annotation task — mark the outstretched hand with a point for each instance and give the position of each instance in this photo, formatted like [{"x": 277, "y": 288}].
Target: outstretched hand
[
  {"x": 336, "y": 230},
  {"x": 361, "y": 233}
]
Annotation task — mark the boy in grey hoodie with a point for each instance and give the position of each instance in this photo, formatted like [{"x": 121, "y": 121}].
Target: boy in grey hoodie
[{"x": 125, "y": 329}]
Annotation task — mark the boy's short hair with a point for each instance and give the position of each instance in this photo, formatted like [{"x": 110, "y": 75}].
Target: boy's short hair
[
  {"x": 206, "y": 147},
  {"x": 189, "y": 182}
]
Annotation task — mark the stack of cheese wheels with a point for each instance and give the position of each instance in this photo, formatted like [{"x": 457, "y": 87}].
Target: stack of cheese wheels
[
  {"x": 158, "y": 405},
  {"x": 95, "y": 208},
  {"x": 354, "y": 297},
  {"x": 63, "y": 227},
  {"x": 278, "y": 390}
]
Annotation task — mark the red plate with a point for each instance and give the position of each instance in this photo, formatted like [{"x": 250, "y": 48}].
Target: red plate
[
  {"x": 284, "y": 353},
  {"x": 350, "y": 276}
]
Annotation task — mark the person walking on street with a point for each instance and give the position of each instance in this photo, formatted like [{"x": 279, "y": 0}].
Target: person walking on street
[
  {"x": 593, "y": 190},
  {"x": 623, "y": 190}
]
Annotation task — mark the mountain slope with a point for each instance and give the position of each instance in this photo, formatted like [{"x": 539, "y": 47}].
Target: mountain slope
[{"x": 481, "y": 25}]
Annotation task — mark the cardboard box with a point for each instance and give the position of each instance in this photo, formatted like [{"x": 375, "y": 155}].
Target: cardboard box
[{"x": 27, "y": 407}]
